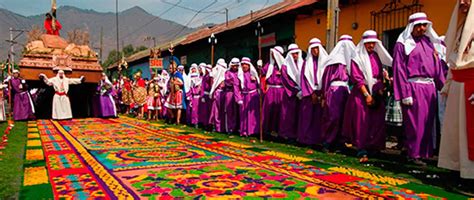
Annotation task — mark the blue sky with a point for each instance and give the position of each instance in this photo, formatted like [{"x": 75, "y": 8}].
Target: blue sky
[{"x": 156, "y": 7}]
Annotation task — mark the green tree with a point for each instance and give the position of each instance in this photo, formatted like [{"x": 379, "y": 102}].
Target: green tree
[
  {"x": 112, "y": 58},
  {"x": 128, "y": 50}
]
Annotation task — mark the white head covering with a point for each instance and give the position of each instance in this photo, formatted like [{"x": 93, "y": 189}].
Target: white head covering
[
  {"x": 218, "y": 74},
  {"x": 202, "y": 68},
  {"x": 106, "y": 81},
  {"x": 407, "y": 39},
  {"x": 309, "y": 68},
  {"x": 459, "y": 35},
  {"x": 234, "y": 61},
  {"x": 294, "y": 69},
  {"x": 187, "y": 81},
  {"x": 165, "y": 77},
  {"x": 275, "y": 60},
  {"x": 342, "y": 53},
  {"x": 362, "y": 56},
  {"x": 253, "y": 71},
  {"x": 15, "y": 71}
]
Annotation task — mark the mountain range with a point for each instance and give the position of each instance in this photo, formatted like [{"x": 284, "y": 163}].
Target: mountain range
[{"x": 135, "y": 24}]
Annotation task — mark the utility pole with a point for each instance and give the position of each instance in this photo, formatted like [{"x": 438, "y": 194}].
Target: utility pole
[
  {"x": 101, "y": 50},
  {"x": 12, "y": 50},
  {"x": 11, "y": 61},
  {"x": 226, "y": 17},
  {"x": 117, "y": 26},
  {"x": 332, "y": 23},
  {"x": 12, "y": 41}
]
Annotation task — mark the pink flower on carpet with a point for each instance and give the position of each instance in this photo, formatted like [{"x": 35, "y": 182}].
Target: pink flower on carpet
[
  {"x": 240, "y": 193},
  {"x": 156, "y": 190},
  {"x": 208, "y": 192},
  {"x": 288, "y": 182},
  {"x": 276, "y": 178}
]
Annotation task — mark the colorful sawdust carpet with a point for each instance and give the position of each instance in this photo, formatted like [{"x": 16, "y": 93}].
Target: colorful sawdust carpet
[{"x": 127, "y": 158}]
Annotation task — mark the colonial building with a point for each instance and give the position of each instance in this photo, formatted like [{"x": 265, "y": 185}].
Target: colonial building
[{"x": 387, "y": 17}]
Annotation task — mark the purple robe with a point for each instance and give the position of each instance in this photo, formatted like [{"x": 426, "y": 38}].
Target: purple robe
[
  {"x": 310, "y": 115},
  {"x": 205, "y": 107},
  {"x": 289, "y": 106},
  {"x": 272, "y": 101},
  {"x": 250, "y": 109},
  {"x": 192, "y": 113},
  {"x": 335, "y": 97},
  {"x": 217, "y": 107},
  {"x": 105, "y": 103},
  {"x": 232, "y": 96},
  {"x": 364, "y": 126},
  {"x": 418, "y": 119},
  {"x": 22, "y": 103}
]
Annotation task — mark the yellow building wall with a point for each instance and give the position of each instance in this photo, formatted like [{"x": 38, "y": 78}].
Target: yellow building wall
[{"x": 438, "y": 11}]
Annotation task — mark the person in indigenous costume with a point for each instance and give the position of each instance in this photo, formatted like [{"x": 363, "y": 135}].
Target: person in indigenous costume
[
  {"x": 335, "y": 89},
  {"x": 176, "y": 99},
  {"x": 417, "y": 74},
  {"x": 217, "y": 117},
  {"x": 153, "y": 99},
  {"x": 310, "y": 107},
  {"x": 105, "y": 102},
  {"x": 250, "y": 98},
  {"x": 23, "y": 108},
  {"x": 61, "y": 103},
  {"x": 291, "y": 72},
  {"x": 364, "y": 116},
  {"x": 273, "y": 91},
  {"x": 126, "y": 88},
  {"x": 206, "y": 104},
  {"x": 457, "y": 135},
  {"x": 139, "y": 95},
  {"x": 194, "y": 94}
]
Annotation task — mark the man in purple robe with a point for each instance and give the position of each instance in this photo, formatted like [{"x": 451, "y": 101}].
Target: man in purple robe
[
  {"x": 273, "y": 92},
  {"x": 217, "y": 94},
  {"x": 194, "y": 94},
  {"x": 206, "y": 103},
  {"x": 291, "y": 72},
  {"x": 364, "y": 116},
  {"x": 418, "y": 74},
  {"x": 23, "y": 108},
  {"x": 310, "y": 108},
  {"x": 250, "y": 94},
  {"x": 232, "y": 97},
  {"x": 335, "y": 90}
]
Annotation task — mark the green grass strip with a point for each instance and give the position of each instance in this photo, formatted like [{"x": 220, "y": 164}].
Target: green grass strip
[{"x": 11, "y": 165}]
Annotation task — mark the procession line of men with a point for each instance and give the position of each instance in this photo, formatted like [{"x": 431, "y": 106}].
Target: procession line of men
[{"x": 323, "y": 99}]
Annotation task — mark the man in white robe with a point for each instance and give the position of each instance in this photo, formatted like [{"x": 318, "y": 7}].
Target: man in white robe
[
  {"x": 61, "y": 103},
  {"x": 457, "y": 134}
]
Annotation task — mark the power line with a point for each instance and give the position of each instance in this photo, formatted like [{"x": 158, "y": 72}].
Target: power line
[
  {"x": 201, "y": 19},
  {"x": 187, "y": 24},
  {"x": 194, "y": 10},
  {"x": 151, "y": 21}
]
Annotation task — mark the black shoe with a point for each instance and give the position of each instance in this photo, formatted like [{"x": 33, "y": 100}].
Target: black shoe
[{"x": 417, "y": 162}]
